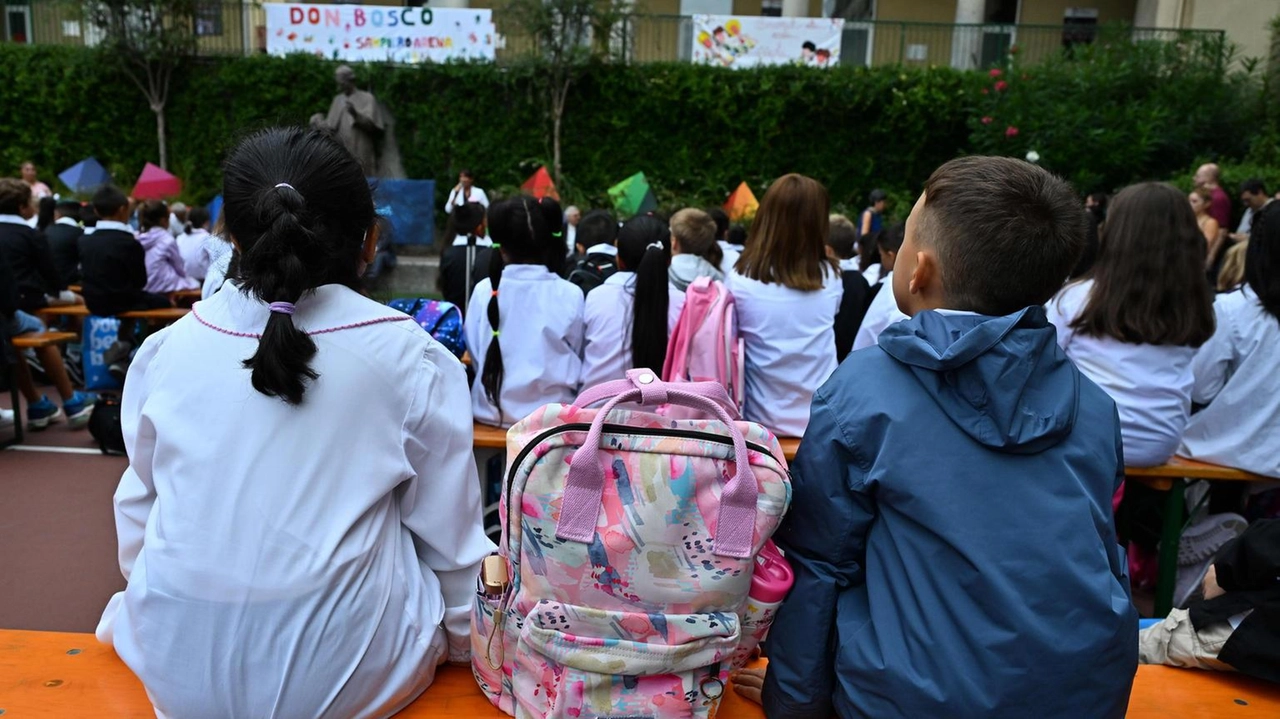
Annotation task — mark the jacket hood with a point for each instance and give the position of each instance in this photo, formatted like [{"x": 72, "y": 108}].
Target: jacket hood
[
  {"x": 152, "y": 236},
  {"x": 1003, "y": 380},
  {"x": 687, "y": 268}
]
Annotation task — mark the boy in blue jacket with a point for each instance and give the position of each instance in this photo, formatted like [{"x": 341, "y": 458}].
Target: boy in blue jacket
[{"x": 951, "y": 531}]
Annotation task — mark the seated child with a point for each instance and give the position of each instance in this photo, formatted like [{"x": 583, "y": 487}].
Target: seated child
[
  {"x": 525, "y": 326},
  {"x": 1235, "y": 371},
  {"x": 166, "y": 270},
  {"x": 694, "y": 253},
  {"x": 112, "y": 261},
  {"x": 1236, "y": 625},
  {"x": 842, "y": 239},
  {"x": 883, "y": 310},
  {"x": 626, "y": 317},
  {"x": 951, "y": 532},
  {"x": 469, "y": 221},
  {"x": 192, "y": 241},
  {"x": 27, "y": 251},
  {"x": 317, "y": 556},
  {"x": 64, "y": 241}
]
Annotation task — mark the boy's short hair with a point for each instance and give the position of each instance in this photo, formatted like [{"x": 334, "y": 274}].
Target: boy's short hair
[
  {"x": 890, "y": 239},
  {"x": 737, "y": 236},
  {"x": 108, "y": 200},
  {"x": 1006, "y": 232},
  {"x": 597, "y": 227},
  {"x": 1253, "y": 186},
  {"x": 695, "y": 229},
  {"x": 842, "y": 236},
  {"x": 68, "y": 208},
  {"x": 467, "y": 217},
  {"x": 14, "y": 195},
  {"x": 721, "y": 218}
]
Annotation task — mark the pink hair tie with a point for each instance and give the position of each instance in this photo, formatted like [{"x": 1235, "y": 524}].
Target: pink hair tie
[{"x": 284, "y": 308}]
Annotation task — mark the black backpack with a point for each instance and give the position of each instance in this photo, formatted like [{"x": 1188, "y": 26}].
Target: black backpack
[
  {"x": 104, "y": 425},
  {"x": 591, "y": 271}
]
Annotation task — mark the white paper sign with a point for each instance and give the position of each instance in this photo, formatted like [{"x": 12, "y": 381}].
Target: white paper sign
[
  {"x": 372, "y": 33},
  {"x": 750, "y": 41}
]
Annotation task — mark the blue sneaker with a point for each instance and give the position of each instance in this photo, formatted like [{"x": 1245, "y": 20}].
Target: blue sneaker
[
  {"x": 78, "y": 409},
  {"x": 41, "y": 414}
]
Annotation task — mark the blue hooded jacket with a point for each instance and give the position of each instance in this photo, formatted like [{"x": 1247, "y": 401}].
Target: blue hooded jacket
[{"x": 952, "y": 534}]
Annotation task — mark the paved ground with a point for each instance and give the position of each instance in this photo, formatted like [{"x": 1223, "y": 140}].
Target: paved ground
[{"x": 57, "y": 534}]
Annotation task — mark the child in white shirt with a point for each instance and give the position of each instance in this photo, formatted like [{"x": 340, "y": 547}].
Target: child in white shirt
[
  {"x": 883, "y": 310},
  {"x": 694, "y": 253},
  {"x": 299, "y": 525},
  {"x": 787, "y": 292},
  {"x": 525, "y": 327},
  {"x": 1133, "y": 324},
  {"x": 626, "y": 317}
]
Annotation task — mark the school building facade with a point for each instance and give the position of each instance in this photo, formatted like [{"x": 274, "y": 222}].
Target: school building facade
[{"x": 960, "y": 33}]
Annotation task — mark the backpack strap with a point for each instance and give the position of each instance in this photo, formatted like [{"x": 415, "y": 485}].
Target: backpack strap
[{"x": 585, "y": 486}]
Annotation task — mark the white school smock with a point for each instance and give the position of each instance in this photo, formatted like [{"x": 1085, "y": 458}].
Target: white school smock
[
  {"x": 1151, "y": 384},
  {"x": 790, "y": 344},
  {"x": 606, "y": 351},
  {"x": 731, "y": 255},
  {"x": 456, "y": 199},
  {"x": 882, "y": 312},
  {"x": 195, "y": 259},
  {"x": 1235, "y": 375},
  {"x": 541, "y": 326},
  {"x": 294, "y": 561}
]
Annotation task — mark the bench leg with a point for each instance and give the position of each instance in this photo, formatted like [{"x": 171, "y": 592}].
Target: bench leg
[
  {"x": 1170, "y": 536},
  {"x": 18, "y": 430}
]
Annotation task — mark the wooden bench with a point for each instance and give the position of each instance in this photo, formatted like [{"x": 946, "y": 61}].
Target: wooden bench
[
  {"x": 36, "y": 340},
  {"x": 161, "y": 315},
  {"x": 1171, "y": 478},
  {"x": 53, "y": 674},
  {"x": 486, "y": 437},
  {"x": 31, "y": 340}
]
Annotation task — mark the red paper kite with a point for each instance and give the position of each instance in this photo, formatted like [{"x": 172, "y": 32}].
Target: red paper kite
[
  {"x": 742, "y": 204},
  {"x": 156, "y": 184},
  {"x": 540, "y": 185}
]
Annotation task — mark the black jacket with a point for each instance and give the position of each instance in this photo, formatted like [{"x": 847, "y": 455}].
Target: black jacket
[
  {"x": 113, "y": 266},
  {"x": 453, "y": 273},
  {"x": 853, "y": 307},
  {"x": 27, "y": 253},
  {"x": 64, "y": 244},
  {"x": 1248, "y": 571}
]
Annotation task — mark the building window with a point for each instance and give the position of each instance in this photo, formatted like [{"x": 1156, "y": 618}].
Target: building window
[
  {"x": 208, "y": 18},
  {"x": 771, "y": 8}
]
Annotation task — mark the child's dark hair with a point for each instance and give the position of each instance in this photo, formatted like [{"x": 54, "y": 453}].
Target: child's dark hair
[
  {"x": 553, "y": 217},
  {"x": 1262, "y": 259},
  {"x": 842, "y": 236},
  {"x": 154, "y": 213},
  {"x": 890, "y": 239},
  {"x": 1006, "y": 232},
  {"x": 517, "y": 227},
  {"x": 468, "y": 217},
  {"x": 1149, "y": 285},
  {"x": 44, "y": 215},
  {"x": 108, "y": 200},
  {"x": 737, "y": 235},
  {"x": 69, "y": 208},
  {"x": 196, "y": 217},
  {"x": 14, "y": 195},
  {"x": 299, "y": 206},
  {"x": 721, "y": 218},
  {"x": 596, "y": 228},
  {"x": 644, "y": 248}
]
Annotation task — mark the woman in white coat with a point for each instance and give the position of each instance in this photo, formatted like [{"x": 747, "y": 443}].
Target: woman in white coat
[
  {"x": 300, "y": 521},
  {"x": 787, "y": 292}
]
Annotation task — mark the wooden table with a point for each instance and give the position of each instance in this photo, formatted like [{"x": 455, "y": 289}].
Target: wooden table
[
  {"x": 55, "y": 675},
  {"x": 161, "y": 315},
  {"x": 1171, "y": 478}
]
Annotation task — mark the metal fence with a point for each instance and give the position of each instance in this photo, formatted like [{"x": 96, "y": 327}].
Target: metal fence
[{"x": 225, "y": 27}]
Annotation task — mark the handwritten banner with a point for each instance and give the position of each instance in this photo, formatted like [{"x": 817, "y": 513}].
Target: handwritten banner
[
  {"x": 750, "y": 41},
  {"x": 369, "y": 33}
]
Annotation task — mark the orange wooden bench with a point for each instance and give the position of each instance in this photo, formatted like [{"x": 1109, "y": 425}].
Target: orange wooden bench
[
  {"x": 486, "y": 437},
  {"x": 36, "y": 340},
  {"x": 53, "y": 674},
  {"x": 161, "y": 315}
]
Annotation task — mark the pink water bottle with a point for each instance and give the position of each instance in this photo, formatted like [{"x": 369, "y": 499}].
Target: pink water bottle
[{"x": 770, "y": 581}]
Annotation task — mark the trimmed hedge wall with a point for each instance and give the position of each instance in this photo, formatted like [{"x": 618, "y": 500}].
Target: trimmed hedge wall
[{"x": 695, "y": 131}]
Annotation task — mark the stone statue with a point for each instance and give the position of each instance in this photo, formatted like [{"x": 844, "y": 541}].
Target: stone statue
[{"x": 364, "y": 125}]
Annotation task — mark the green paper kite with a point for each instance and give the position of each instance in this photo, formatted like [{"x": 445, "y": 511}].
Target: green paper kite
[{"x": 633, "y": 196}]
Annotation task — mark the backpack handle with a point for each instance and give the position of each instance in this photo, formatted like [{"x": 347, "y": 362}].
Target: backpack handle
[{"x": 580, "y": 509}]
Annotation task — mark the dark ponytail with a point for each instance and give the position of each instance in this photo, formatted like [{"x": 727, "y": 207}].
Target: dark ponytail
[
  {"x": 299, "y": 206},
  {"x": 1262, "y": 259},
  {"x": 644, "y": 247},
  {"x": 556, "y": 252},
  {"x": 520, "y": 233}
]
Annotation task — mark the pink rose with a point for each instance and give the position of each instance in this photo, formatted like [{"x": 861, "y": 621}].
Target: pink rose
[
  {"x": 1001, "y": 85},
  {"x": 996, "y": 72},
  {"x": 1011, "y": 131},
  {"x": 985, "y": 91},
  {"x": 987, "y": 120}
]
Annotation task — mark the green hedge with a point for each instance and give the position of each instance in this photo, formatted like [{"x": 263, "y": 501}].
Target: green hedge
[{"x": 1108, "y": 117}]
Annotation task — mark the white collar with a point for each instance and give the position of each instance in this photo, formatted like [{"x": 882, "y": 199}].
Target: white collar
[
  {"x": 66, "y": 221},
  {"x": 14, "y": 220},
  {"x": 621, "y": 277},
  {"x": 603, "y": 249},
  {"x": 328, "y": 308},
  {"x": 957, "y": 313},
  {"x": 461, "y": 241},
  {"x": 113, "y": 225}
]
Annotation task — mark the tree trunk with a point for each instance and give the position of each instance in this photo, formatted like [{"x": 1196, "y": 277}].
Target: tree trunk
[
  {"x": 555, "y": 144},
  {"x": 158, "y": 109}
]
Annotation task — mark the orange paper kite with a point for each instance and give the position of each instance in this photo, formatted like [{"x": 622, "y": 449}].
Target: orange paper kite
[
  {"x": 742, "y": 204},
  {"x": 540, "y": 185}
]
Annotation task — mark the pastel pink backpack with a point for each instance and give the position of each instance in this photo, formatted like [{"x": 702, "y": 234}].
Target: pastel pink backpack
[
  {"x": 630, "y": 541},
  {"x": 704, "y": 345}
]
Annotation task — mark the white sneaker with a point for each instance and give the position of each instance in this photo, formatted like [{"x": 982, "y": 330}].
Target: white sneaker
[
  {"x": 1200, "y": 542},
  {"x": 6, "y": 418}
]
